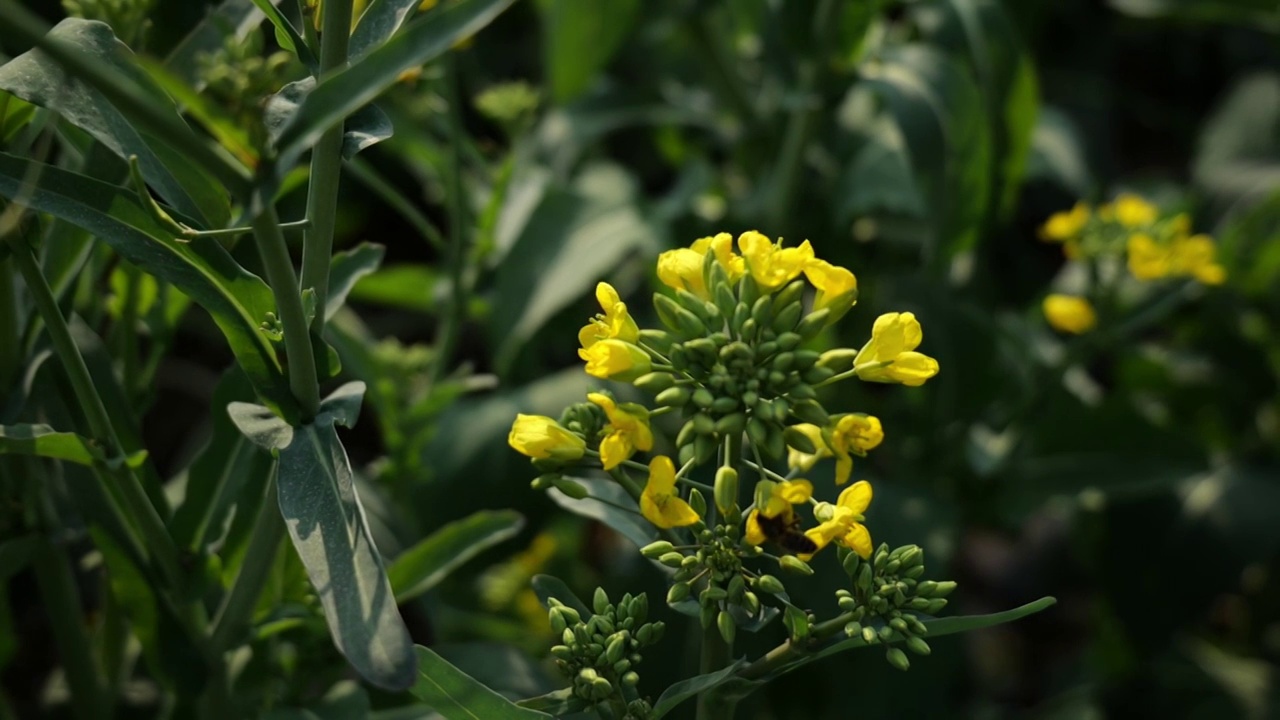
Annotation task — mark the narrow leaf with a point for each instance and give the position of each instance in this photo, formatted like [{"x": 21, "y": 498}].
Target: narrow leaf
[
  {"x": 550, "y": 586},
  {"x": 458, "y": 696},
  {"x": 44, "y": 441},
  {"x": 558, "y": 703},
  {"x": 611, "y": 505},
  {"x": 379, "y": 22},
  {"x": 346, "y": 269},
  {"x": 685, "y": 689},
  {"x": 424, "y": 565}
]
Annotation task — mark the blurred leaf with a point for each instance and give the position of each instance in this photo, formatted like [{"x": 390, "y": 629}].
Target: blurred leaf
[
  {"x": 15, "y": 113},
  {"x": 499, "y": 666},
  {"x": 346, "y": 91},
  {"x": 345, "y": 271},
  {"x": 939, "y": 108},
  {"x": 366, "y": 126},
  {"x": 557, "y": 703},
  {"x": 560, "y": 258},
  {"x": 232, "y": 19},
  {"x": 329, "y": 531},
  {"x": 685, "y": 689},
  {"x": 1249, "y": 246},
  {"x": 227, "y": 130},
  {"x": 424, "y": 565},
  {"x": 610, "y": 504},
  {"x": 238, "y": 300},
  {"x": 44, "y": 441},
  {"x": 549, "y": 586},
  {"x": 287, "y": 36},
  {"x": 15, "y": 553},
  {"x": 379, "y": 21},
  {"x": 1238, "y": 159},
  {"x": 1254, "y": 14},
  {"x": 579, "y": 39},
  {"x": 457, "y": 696},
  {"x": 880, "y": 178},
  {"x": 1058, "y": 153},
  {"x": 408, "y": 287},
  {"x": 37, "y": 78}
]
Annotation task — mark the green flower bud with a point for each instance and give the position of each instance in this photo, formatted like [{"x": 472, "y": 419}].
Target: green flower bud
[
  {"x": 762, "y": 311},
  {"x": 750, "y": 603},
  {"x": 678, "y": 592},
  {"x": 732, "y": 424},
  {"x": 703, "y": 398},
  {"x": 748, "y": 330},
  {"x": 914, "y": 572},
  {"x": 707, "y": 616},
  {"x": 885, "y": 633},
  {"x": 770, "y": 584},
  {"x": 869, "y": 636},
  {"x": 900, "y": 625},
  {"x": 795, "y": 564},
  {"x": 864, "y": 578},
  {"x": 678, "y": 319},
  {"x": 926, "y": 588},
  {"x": 600, "y": 601},
  {"x": 764, "y": 412},
  {"x": 724, "y": 299},
  {"x": 658, "y": 340},
  {"x": 917, "y": 627},
  {"x": 702, "y": 423},
  {"x": 712, "y": 594},
  {"x": 571, "y": 616},
  {"x": 544, "y": 481},
  {"x": 672, "y": 559},
  {"x": 614, "y": 650},
  {"x": 704, "y": 450},
  {"x": 774, "y": 446},
  {"x": 897, "y": 658},
  {"x": 817, "y": 375},
  {"x": 943, "y": 588},
  {"x": 850, "y": 563},
  {"x": 569, "y": 637},
  {"x": 631, "y": 679},
  {"x": 758, "y": 431},
  {"x": 724, "y": 622},
  {"x": 604, "y": 623},
  {"x": 726, "y": 489},
  {"x": 812, "y": 324},
  {"x": 853, "y": 629},
  {"x": 640, "y": 608},
  {"x": 847, "y": 604},
  {"x": 839, "y": 360},
  {"x": 806, "y": 359},
  {"x": 786, "y": 318},
  {"x": 797, "y": 622},
  {"x": 622, "y": 666},
  {"x": 697, "y": 502},
  {"x": 741, "y": 314},
  {"x": 917, "y": 646},
  {"x": 725, "y": 404},
  {"x": 783, "y": 361},
  {"x": 655, "y": 382},
  {"x": 656, "y": 550},
  {"x": 801, "y": 391},
  {"x": 562, "y": 652},
  {"x": 704, "y": 349},
  {"x": 659, "y": 628},
  {"x": 572, "y": 488},
  {"x": 601, "y": 688},
  {"x": 811, "y": 412},
  {"x": 919, "y": 603},
  {"x": 737, "y": 586},
  {"x": 558, "y": 623},
  {"x": 692, "y": 561},
  {"x": 644, "y": 635},
  {"x": 673, "y": 397}
]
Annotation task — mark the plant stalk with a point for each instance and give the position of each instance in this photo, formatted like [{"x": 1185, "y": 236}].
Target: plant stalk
[
  {"x": 450, "y": 324},
  {"x": 284, "y": 286},
  {"x": 326, "y": 166},
  {"x": 260, "y": 555},
  {"x": 10, "y": 330},
  {"x": 159, "y": 543},
  {"x": 61, "y": 599},
  {"x": 716, "y": 653}
]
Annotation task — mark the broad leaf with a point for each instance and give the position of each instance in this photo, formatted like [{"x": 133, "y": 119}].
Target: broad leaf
[
  {"x": 345, "y": 271},
  {"x": 609, "y": 503},
  {"x": 238, "y": 300},
  {"x": 881, "y": 177},
  {"x": 550, "y": 586},
  {"x": 35, "y": 77},
  {"x": 685, "y": 689},
  {"x": 405, "y": 286},
  {"x": 379, "y": 21},
  {"x": 44, "y": 441},
  {"x": 364, "y": 127},
  {"x": 1238, "y": 158},
  {"x": 330, "y": 533},
  {"x": 579, "y": 39},
  {"x": 424, "y": 565},
  {"x": 458, "y": 696},
  {"x": 344, "y": 92}
]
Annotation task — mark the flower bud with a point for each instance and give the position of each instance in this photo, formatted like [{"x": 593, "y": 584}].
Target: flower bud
[
  {"x": 850, "y": 563},
  {"x": 786, "y": 318},
  {"x": 762, "y": 311},
  {"x": 544, "y": 481},
  {"x": 795, "y": 564},
  {"x": 707, "y": 616},
  {"x": 677, "y": 319},
  {"x": 944, "y": 588},
  {"x": 770, "y": 584},
  {"x": 917, "y": 645},
  {"x": 697, "y": 502},
  {"x": 750, "y": 603},
  {"x": 600, "y": 601},
  {"x": 726, "y": 489},
  {"x": 795, "y": 438},
  {"x": 673, "y": 397},
  {"x": 732, "y": 424},
  {"x": 572, "y": 488},
  {"x": 724, "y": 622},
  {"x": 713, "y": 594},
  {"x": 655, "y": 382},
  {"x": 839, "y": 360},
  {"x": 723, "y": 405},
  {"x": 897, "y": 658},
  {"x": 656, "y": 549},
  {"x": 631, "y": 679},
  {"x": 616, "y": 647},
  {"x": 812, "y": 324},
  {"x": 869, "y": 636},
  {"x": 672, "y": 559},
  {"x": 811, "y": 412},
  {"x": 678, "y": 592}
]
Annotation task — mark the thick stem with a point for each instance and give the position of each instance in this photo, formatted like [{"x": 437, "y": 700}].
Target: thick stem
[
  {"x": 326, "y": 166},
  {"x": 451, "y": 323},
  {"x": 154, "y": 533},
  {"x": 268, "y": 531},
  {"x": 284, "y": 286}
]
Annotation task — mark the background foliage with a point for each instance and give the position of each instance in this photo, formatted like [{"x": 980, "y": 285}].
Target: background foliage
[{"x": 919, "y": 144}]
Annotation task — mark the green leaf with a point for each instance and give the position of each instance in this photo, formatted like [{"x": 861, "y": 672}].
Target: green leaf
[
  {"x": 880, "y": 178},
  {"x": 366, "y": 126},
  {"x": 378, "y": 23},
  {"x": 345, "y": 271},
  {"x": 1256, "y": 15},
  {"x": 558, "y": 258},
  {"x": 15, "y": 113},
  {"x": 610, "y": 504},
  {"x": 344, "y": 92},
  {"x": 557, "y": 703},
  {"x": 15, "y": 553},
  {"x": 44, "y": 441},
  {"x": 424, "y": 565},
  {"x": 408, "y": 287},
  {"x": 1238, "y": 159},
  {"x": 328, "y": 528},
  {"x": 550, "y": 586},
  {"x": 1058, "y": 153},
  {"x": 287, "y": 35},
  {"x": 685, "y": 689},
  {"x": 237, "y": 300},
  {"x": 579, "y": 39},
  {"x": 457, "y": 696},
  {"x": 260, "y": 425},
  {"x": 232, "y": 19},
  {"x": 940, "y": 110},
  {"x": 37, "y": 78}
]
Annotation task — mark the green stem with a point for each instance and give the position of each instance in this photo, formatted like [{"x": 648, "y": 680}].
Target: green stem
[
  {"x": 121, "y": 92},
  {"x": 326, "y": 166},
  {"x": 458, "y": 246},
  {"x": 128, "y": 329},
  {"x": 284, "y": 286},
  {"x": 259, "y": 557},
  {"x": 154, "y": 533},
  {"x": 716, "y": 653},
  {"x": 10, "y": 330}
]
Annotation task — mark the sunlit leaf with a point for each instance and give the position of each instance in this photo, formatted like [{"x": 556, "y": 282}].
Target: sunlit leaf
[
  {"x": 457, "y": 696},
  {"x": 424, "y": 565}
]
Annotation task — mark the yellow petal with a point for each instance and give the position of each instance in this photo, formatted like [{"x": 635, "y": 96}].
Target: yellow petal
[
  {"x": 541, "y": 437},
  {"x": 844, "y": 467},
  {"x": 754, "y": 534},
  {"x": 607, "y": 296},
  {"x": 682, "y": 270},
  {"x": 662, "y": 476},
  {"x": 1063, "y": 226},
  {"x": 912, "y": 369},
  {"x": 615, "y": 448},
  {"x": 667, "y": 512},
  {"x": 795, "y": 491},
  {"x": 1133, "y": 211},
  {"x": 856, "y": 497},
  {"x": 616, "y": 360},
  {"x": 1069, "y": 314},
  {"x": 805, "y": 461},
  {"x": 859, "y": 540}
]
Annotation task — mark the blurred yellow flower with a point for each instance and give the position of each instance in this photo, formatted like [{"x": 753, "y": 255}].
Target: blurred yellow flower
[
  {"x": 1065, "y": 225},
  {"x": 1069, "y": 313},
  {"x": 770, "y": 264},
  {"x": 1131, "y": 211},
  {"x": 853, "y": 435},
  {"x": 615, "y": 360},
  {"x": 628, "y": 430},
  {"x": 889, "y": 355},
  {"x": 837, "y": 288},
  {"x": 659, "y": 503},
  {"x": 845, "y": 524},
  {"x": 541, "y": 437},
  {"x": 774, "y": 500},
  {"x": 1193, "y": 256},
  {"x": 615, "y": 323}
]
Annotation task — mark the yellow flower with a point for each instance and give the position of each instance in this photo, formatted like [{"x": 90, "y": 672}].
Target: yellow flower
[
  {"x": 1069, "y": 313},
  {"x": 1133, "y": 211},
  {"x": 659, "y": 503},
  {"x": 804, "y": 461},
  {"x": 541, "y": 437},
  {"x": 1195, "y": 256},
  {"x": 845, "y": 524},
  {"x": 615, "y": 323},
  {"x": 889, "y": 355},
  {"x": 853, "y": 435},
  {"x": 681, "y": 269},
  {"x": 774, "y": 500},
  {"x": 772, "y": 265},
  {"x": 628, "y": 430},
  {"x": 1147, "y": 259},
  {"x": 615, "y": 360},
  {"x": 1066, "y": 225},
  {"x": 837, "y": 288}
]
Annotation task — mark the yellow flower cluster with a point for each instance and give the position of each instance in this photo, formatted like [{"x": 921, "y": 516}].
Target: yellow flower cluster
[{"x": 1180, "y": 256}]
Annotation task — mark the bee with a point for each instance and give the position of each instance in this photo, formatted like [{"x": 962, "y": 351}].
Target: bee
[{"x": 785, "y": 532}]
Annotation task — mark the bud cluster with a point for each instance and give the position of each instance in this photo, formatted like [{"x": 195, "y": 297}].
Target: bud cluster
[
  {"x": 887, "y": 598},
  {"x": 600, "y": 653}
]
